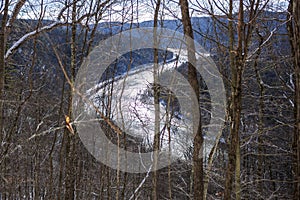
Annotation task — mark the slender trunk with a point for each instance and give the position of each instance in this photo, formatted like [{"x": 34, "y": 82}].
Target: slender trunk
[
  {"x": 294, "y": 32},
  {"x": 2, "y": 77},
  {"x": 61, "y": 167},
  {"x": 156, "y": 142},
  {"x": 71, "y": 139},
  {"x": 209, "y": 165},
  {"x": 234, "y": 138},
  {"x": 296, "y": 11},
  {"x": 297, "y": 123},
  {"x": 260, "y": 119},
  {"x": 3, "y": 38},
  {"x": 237, "y": 65},
  {"x": 36, "y": 175},
  {"x": 109, "y": 188},
  {"x": 238, "y": 173},
  {"x": 197, "y": 170}
]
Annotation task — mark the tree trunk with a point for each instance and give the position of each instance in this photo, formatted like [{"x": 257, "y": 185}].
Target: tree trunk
[
  {"x": 197, "y": 170},
  {"x": 71, "y": 138},
  {"x": 238, "y": 173},
  {"x": 237, "y": 65},
  {"x": 2, "y": 77},
  {"x": 156, "y": 141},
  {"x": 294, "y": 32},
  {"x": 260, "y": 146},
  {"x": 3, "y": 38},
  {"x": 296, "y": 11}
]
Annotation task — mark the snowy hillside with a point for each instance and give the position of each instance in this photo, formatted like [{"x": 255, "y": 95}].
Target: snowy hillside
[{"x": 133, "y": 110}]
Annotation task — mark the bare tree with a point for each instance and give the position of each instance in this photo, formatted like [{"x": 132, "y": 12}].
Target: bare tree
[
  {"x": 41, "y": 156},
  {"x": 156, "y": 90},
  {"x": 6, "y": 26},
  {"x": 192, "y": 76},
  {"x": 294, "y": 33}
]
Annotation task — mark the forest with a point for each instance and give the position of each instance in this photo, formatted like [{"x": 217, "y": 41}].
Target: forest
[{"x": 150, "y": 99}]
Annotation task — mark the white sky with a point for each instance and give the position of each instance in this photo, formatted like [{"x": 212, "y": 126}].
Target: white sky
[{"x": 143, "y": 10}]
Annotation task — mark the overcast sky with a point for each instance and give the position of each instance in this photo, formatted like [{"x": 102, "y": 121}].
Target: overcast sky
[{"x": 143, "y": 10}]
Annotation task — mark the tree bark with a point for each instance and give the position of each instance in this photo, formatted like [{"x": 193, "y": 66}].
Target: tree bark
[
  {"x": 3, "y": 40},
  {"x": 156, "y": 141},
  {"x": 71, "y": 138},
  {"x": 294, "y": 32},
  {"x": 2, "y": 76},
  {"x": 198, "y": 186},
  {"x": 237, "y": 65}
]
